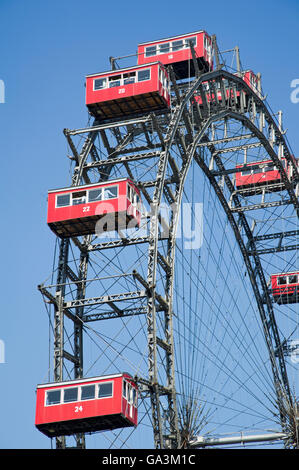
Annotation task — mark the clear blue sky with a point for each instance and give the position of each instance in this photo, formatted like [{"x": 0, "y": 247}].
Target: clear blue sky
[{"x": 46, "y": 48}]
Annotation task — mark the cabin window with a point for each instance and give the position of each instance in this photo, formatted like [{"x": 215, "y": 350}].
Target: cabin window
[
  {"x": 95, "y": 195},
  {"x": 164, "y": 48},
  {"x": 78, "y": 198},
  {"x": 161, "y": 75},
  {"x": 150, "y": 51},
  {"x": 144, "y": 75},
  {"x": 282, "y": 280},
  {"x": 246, "y": 173},
  {"x": 256, "y": 169},
  {"x": 114, "y": 81},
  {"x": 111, "y": 192},
  {"x": 99, "y": 83},
  {"x": 63, "y": 200},
  {"x": 87, "y": 392},
  {"x": 129, "y": 78},
  {"x": 125, "y": 389},
  {"x": 136, "y": 201},
  {"x": 129, "y": 193},
  {"x": 177, "y": 45},
  {"x": 268, "y": 168},
  {"x": 105, "y": 390},
  {"x": 293, "y": 279},
  {"x": 53, "y": 397},
  {"x": 70, "y": 394},
  {"x": 130, "y": 394},
  {"x": 192, "y": 40}
]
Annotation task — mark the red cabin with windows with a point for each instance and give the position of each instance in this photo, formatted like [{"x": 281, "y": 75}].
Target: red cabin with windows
[
  {"x": 252, "y": 81},
  {"x": 264, "y": 175},
  {"x": 86, "y": 405},
  {"x": 130, "y": 91},
  {"x": 177, "y": 52},
  {"x": 249, "y": 78},
  {"x": 94, "y": 208},
  {"x": 285, "y": 287}
]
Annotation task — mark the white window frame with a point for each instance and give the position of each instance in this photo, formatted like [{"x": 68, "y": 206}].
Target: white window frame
[
  {"x": 151, "y": 55},
  {"x": 53, "y": 390},
  {"x": 80, "y": 392},
  {"x": 163, "y": 44},
  {"x": 71, "y": 401},
  {"x": 95, "y": 189},
  {"x": 158, "y": 46},
  {"x": 79, "y": 395},
  {"x": 248, "y": 174},
  {"x": 64, "y": 194},
  {"x": 76, "y": 192},
  {"x": 288, "y": 279},
  {"x": 135, "y": 397},
  {"x": 144, "y": 70},
  {"x": 186, "y": 41},
  {"x": 125, "y": 382},
  {"x": 122, "y": 79},
  {"x": 102, "y": 383},
  {"x": 130, "y": 192},
  {"x": 279, "y": 277},
  {"x": 108, "y": 187},
  {"x": 99, "y": 78},
  {"x": 178, "y": 40}
]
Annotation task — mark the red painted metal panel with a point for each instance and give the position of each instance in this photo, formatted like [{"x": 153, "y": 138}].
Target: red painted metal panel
[
  {"x": 258, "y": 177},
  {"x": 268, "y": 177},
  {"x": 79, "y": 409},
  {"x": 125, "y": 98},
  {"x": 285, "y": 287},
  {"x": 180, "y": 55},
  {"x": 86, "y": 209},
  {"x": 119, "y": 208},
  {"x": 117, "y": 92}
]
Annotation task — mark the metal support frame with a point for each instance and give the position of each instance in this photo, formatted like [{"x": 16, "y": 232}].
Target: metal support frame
[{"x": 188, "y": 145}]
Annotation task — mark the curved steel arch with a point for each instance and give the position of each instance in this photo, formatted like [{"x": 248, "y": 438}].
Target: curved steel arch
[
  {"x": 280, "y": 377},
  {"x": 271, "y": 333},
  {"x": 284, "y": 396}
]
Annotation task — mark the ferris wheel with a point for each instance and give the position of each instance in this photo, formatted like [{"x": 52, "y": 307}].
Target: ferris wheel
[{"x": 173, "y": 303}]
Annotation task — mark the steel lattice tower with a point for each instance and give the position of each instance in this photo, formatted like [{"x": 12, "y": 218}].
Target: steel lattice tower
[{"x": 157, "y": 151}]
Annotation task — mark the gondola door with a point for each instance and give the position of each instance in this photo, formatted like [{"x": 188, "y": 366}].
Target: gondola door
[{"x": 130, "y": 400}]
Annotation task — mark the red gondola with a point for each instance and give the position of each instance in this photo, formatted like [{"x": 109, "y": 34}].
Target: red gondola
[
  {"x": 249, "y": 78},
  {"x": 285, "y": 287},
  {"x": 252, "y": 81},
  {"x": 176, "y": 51},
  {"x": 77, "y": 210},
  {"x": 129, "y": 91},
  {"x": 263, "y": 175},
  {"x": 86, "y": 405}
]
